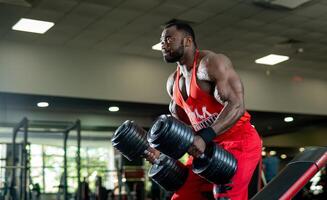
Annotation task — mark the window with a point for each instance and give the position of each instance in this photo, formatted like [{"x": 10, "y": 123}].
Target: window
[
  {"x": 47, "y": 164},
  {"x": 3, "y": 152}
]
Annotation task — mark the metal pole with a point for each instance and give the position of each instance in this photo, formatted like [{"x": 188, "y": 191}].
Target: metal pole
[
  {"x": 16, "y": 129},
  {"x": 25, "y": 161},
  {"x": 65, "y": 165},
  {"x": 13, "y": 175},
  {"x": 78, "y": 158},
  {"x": 120, "y": 178},
  {"x": 43, "y": 168}
]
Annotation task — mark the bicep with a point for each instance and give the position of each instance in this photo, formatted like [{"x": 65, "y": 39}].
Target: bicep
[
  {"x": 230, "y": 89},
  {"x": 236, "y": 88},
  {"x": 228, "y": 84}
]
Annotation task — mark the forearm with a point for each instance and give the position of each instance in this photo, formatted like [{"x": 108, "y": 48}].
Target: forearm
[{"x": 228, "y": 117}]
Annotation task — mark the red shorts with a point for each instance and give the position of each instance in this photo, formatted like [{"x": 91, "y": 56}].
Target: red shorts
[{"x": 245, "y": 144}]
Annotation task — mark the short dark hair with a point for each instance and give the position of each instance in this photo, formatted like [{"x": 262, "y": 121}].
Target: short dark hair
[{"x": 181, "y": 25}]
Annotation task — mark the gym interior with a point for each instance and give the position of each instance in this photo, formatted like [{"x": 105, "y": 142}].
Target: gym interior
[{"x": 66, "y": 90}]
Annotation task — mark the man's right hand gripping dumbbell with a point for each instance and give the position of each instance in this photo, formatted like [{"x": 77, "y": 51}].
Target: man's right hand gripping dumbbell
[
  {"x": 151, "y": 155},
  {"x": 174, "y": 138}
]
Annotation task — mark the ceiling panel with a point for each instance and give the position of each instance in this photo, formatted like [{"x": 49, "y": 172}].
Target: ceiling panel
[
  {"x": 169, "y": 9},
  {"x": 152, "y": 20},
  {"x": 243, "y": 10},
  {"x": 76, "y": 21},
  {"x": 46, "y": 15},
  {"x": 90, "y": 10},
  {"x": 269, "y": 16},
  {"x": 114, "y": 41},
  {"x": 111, "y": 3},
  {"x": 293, "y": 20},
  {"x": 121, "y": 15},
  {"x": 314, "y": 25},
  {"x": 181, "y": 3},
  {"x": 231, "y": 26},
  {"x": 62, "y": 6},
  {"x": 311, "y": 10},
  {"x": 293, "y": 33},
  {"x": 217, "y": 6},
  {"x": 140, "y": 5},
  {"x": 194, "y": 15},
  {"x": 249, "y": 24},
  {"x": 87, "y": 38}
]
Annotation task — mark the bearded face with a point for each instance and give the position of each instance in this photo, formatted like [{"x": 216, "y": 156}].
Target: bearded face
[
  {"x": 172, "y": 45},
  {"x": 174, "y": 54}
]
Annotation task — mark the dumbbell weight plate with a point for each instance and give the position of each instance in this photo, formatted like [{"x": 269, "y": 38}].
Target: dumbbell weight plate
[
  {"x": 130, "y": 140},
  {"x": 169, "y": 174},
  {"x": 170, "y": 136},
  {"x": 218, "y": 166}
]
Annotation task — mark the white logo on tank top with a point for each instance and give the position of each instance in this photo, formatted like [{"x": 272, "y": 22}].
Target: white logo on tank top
[{"x": 200, "y": 121}]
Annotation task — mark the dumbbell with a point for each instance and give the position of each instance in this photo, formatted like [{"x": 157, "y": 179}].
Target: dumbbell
[
  {"x": 173, "y": 138},
  {"x": 130, "y": 140}
]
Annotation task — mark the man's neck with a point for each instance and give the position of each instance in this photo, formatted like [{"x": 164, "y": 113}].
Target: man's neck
[{"x": 186, "y": 62}]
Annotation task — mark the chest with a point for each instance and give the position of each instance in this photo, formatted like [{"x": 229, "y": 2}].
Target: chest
[{"x": 186, "y": 85}]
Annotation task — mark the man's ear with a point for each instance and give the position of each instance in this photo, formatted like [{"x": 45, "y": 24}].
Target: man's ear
[{"x": 188, "y": 41}]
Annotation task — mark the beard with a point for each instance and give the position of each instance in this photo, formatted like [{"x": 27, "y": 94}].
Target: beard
[{"x": 174, "y": 56}]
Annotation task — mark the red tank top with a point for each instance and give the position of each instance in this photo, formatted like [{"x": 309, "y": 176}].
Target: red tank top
[{"x": 201, "y": 108}]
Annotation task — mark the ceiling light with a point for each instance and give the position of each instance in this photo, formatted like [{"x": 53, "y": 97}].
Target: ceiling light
[
  {"x": 272, "y": 59},
  {"x": 157, "y": 47},
  {"x": 31, "y": 25},
  {"x": 272, "y": 153},
  {"x": 42, "y": 104},
  {"x": 113, "y": 108},
  {"x": 283, "y": 156},
  {"x": 289, "y": 4},
  {"x": 288, "y": 119},
  {"x": 301, "y": 149},
  {"x": 263, "y": 153}
]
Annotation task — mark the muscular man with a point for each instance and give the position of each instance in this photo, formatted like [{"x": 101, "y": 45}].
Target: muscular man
[{"x": 207, "y": 94}]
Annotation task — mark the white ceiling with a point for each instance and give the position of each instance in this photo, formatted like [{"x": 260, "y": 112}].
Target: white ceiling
[{"x": 238, "y": 28}]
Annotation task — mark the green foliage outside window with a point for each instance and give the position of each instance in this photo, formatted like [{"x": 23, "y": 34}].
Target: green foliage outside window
[{"x": 47, "y": 166}]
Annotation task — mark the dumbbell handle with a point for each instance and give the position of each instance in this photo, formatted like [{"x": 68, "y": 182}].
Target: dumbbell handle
[
  {"x": 193, "y": 149},
  {"x": 156, "y": 161}
]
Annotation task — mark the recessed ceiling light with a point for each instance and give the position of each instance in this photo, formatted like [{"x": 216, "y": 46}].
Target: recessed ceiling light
[
  {"x": 272, "y": 59},
  {"x": 32, "y": 25},
  {"x": 263, "y": 153},
  {"x": 113, "y": 108},
  {"x": 157, "y": 47},
  {"x": 283, "y": 156},
  {"x": 272, "y": 153},
  {"x": 288, "y": 119},
  {"x": 42, "y": 104}
]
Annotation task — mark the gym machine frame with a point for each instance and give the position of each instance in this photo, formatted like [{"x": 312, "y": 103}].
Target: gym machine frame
[
  {"x": 36, "y": 123},
  {"x": 295, "y": 175},
  {"x": 23, "y": 187},
  {"x": 71, "y": 126}
]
